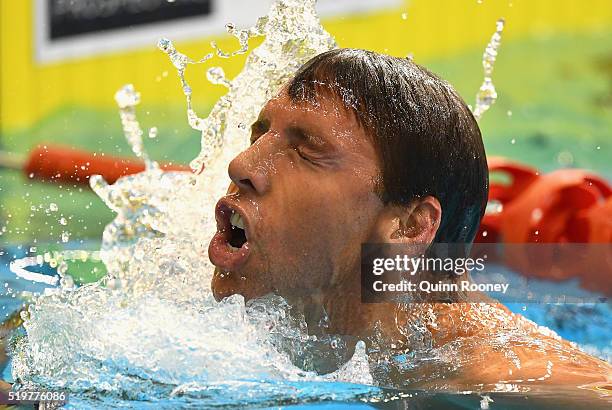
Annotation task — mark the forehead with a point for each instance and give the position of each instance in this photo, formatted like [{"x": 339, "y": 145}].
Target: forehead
[{"x": 326, "y": 116}]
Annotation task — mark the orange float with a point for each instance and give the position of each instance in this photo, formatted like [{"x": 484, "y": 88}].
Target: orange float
[
  {"x": 50, "y": 163},
  {"x": 568, "y": 206}
]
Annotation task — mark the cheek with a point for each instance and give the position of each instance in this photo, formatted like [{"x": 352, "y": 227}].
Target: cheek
[
  {"x": 320, "y": 222},
  {"x": 357, "y": 218}
]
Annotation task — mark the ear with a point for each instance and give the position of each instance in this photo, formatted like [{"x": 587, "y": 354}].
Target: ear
[{"x": 416, "y": 223}]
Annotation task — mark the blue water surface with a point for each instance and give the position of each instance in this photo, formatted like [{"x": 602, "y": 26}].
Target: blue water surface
[{"x": 587, "y": 324}]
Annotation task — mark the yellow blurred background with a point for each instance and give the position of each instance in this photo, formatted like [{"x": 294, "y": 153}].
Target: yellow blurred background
[{"x": 30, "y": 90}]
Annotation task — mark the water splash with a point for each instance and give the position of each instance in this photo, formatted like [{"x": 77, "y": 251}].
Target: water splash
[
  {"x": 127, "y": 99},
  {"x": 291, "y": 29},
  {"x": 151, "y": 326},
  {"x": 180, "y": 62},
  {"x": 487, "y": 95},
  {"x": 242, "y": 36}
]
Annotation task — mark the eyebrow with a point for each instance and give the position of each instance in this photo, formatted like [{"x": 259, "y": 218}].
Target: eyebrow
[
  {"x": 299, "y": 134},
  {"x": 294, "y": 132}
]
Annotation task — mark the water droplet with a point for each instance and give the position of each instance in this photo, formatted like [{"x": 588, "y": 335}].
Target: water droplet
[
  {"x": 494, "y": 206},
  {"x": 536, "y": 214},
  {"x": 165, "y": 45},
  {"x": 216, "y": 75},
  {"x": 565, "y": 158},
  {"x": 487, "y": 95},
  {"x": 67, "y": 282},
  {"x": 484, "y": 403},
  {"x": 127, "y": 96}
]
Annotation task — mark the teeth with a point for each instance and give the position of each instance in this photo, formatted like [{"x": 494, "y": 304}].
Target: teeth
[{"x": 236, "y": 220}]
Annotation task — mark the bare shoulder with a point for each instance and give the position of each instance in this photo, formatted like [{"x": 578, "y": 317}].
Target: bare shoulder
[
  {"x": 521, "y": 352},
  {"x": 550, "y": 362},
  {"x": 486, "y": 345}
]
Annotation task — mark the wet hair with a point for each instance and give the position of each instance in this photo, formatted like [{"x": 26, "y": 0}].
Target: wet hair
[{"x": 427, "y": 139}]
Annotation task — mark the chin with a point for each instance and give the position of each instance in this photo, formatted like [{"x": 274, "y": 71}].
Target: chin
[{"x": 225, "y": 284}]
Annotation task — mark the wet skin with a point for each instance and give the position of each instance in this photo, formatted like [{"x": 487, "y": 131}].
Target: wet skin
[{"x": 306, "y": 192}]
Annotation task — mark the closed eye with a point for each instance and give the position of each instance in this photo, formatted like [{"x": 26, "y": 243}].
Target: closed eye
[{"x": 302, "y": 155}]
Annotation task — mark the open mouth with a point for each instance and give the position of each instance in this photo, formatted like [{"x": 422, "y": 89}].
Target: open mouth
[
  {"x": 229, "y": 248},
  {"x": 237, "y": 234}
]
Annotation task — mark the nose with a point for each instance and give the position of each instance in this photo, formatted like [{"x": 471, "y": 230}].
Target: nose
[{"x": 247, "y": 173}]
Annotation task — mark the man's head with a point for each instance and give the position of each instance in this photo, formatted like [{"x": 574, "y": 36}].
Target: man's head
[{"x": 357, "y": 147}]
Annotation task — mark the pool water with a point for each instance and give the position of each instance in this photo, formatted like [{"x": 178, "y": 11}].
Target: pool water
[{"x": 589, "y": 325}]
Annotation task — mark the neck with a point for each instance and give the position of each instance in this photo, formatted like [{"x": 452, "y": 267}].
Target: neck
[{"x": 338, "y": 309}]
